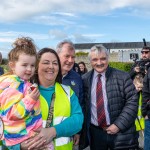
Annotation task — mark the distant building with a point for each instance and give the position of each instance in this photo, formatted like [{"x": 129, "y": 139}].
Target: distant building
[{"x": 119, "y": 52}]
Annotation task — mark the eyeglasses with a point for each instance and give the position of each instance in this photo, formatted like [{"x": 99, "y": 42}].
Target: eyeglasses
[{"x": 145, "y": 52}]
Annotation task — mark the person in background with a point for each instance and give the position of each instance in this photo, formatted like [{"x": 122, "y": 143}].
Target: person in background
[
  {"x": 111, "y": 105},
  {"x": 66, "y": 52},
  {"x": 141, "y": 67},
  {"x": 146, "y": 109},
  {"x": 140, "y": 121},
  {"x": 20, "y": 106},
  {"x": 1, "y": 68},
  {"x": 82, "y": 67},
  {"x": 59, "y": 104},
  {"x": 76, "y": 68}
]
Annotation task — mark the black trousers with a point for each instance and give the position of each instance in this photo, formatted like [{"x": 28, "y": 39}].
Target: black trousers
[{"x": 100, "y": 140}]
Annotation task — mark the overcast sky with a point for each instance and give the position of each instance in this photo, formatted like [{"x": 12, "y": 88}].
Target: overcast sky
[{"x": 82, "y": 21}]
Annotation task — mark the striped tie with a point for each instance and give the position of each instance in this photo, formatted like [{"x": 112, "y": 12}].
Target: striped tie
[{"x": 101, "y": 118}]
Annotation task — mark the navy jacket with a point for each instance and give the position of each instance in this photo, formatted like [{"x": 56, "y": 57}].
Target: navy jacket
[{"x": 74, "y": 80}]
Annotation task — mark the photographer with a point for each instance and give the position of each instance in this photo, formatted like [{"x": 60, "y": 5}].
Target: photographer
[
  {"x": 146, "y": 109},
  {"x": 141, "y": 67}
]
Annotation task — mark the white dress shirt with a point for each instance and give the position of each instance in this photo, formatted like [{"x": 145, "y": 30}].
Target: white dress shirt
[{"x": 93, "y": 98}]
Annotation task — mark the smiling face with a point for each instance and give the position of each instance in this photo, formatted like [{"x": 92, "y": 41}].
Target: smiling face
[
  {"x": 48, "y": 69},
  {"x": 67, "y": 58},
  {"x": 99, "y": 61},
  {"x": 82, "y": 67},
  {"x": 24, "y": 67}
]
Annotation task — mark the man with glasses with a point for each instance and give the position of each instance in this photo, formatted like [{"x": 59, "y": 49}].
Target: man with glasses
[
  {"x": 141, "y": 67},
  {"x": 145, "y": 52}
]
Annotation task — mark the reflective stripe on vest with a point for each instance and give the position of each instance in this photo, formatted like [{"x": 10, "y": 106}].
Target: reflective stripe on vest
[
  {"x": 67, "y": 90},
  {"x": 62, "y": 140},
  {"x": 62, "y": 110},
  {"x": 140, "y": 121}
]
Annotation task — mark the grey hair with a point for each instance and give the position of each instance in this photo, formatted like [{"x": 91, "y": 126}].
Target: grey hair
[
  {"x": 97, "y": 49},
  {"x": 60, "y": 45}
]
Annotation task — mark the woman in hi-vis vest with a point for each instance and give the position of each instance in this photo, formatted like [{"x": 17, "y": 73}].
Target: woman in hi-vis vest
[{"x": 61, "y": 113}]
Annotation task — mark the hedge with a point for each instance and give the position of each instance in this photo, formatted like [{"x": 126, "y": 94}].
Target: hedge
[{"x": 125, "y": 66}]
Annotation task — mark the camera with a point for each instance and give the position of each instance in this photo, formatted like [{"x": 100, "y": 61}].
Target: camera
[{"x": 144, "y": 65}]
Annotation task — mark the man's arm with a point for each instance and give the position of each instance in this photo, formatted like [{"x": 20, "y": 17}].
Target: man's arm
[
  {"x": 129, "y": 111},
  {"x": 134, "y": 70},
  {"x": 146, "y": 94}
]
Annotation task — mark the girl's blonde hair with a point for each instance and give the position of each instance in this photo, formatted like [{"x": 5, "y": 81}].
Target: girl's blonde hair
[
  {"x": 22, "y": 45},
  {"x": 138, "y": 80}
]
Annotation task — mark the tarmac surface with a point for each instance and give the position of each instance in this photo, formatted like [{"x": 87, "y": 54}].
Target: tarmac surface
[{"x": 76, "y": 148}]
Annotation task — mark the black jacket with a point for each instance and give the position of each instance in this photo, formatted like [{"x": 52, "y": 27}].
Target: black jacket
[
  {"x": 146, "y": 95},
  {"x": 122, "y": 106}
]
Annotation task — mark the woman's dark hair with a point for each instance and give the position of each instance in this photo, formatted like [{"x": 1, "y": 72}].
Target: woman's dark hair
[
  {"x": 39, "y": 55},
  {"x": 85, "y": 69}
]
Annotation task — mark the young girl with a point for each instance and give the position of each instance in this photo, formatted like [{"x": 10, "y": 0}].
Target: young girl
[
  {"x": 139, "y": 122},
  {"x": 19, "y": 105}
]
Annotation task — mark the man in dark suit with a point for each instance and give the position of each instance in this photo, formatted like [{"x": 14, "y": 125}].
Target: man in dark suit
[{"x": 110, "y": 105}]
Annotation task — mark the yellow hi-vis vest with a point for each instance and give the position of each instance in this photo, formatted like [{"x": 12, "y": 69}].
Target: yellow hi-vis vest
[
  {"x": 140, "y": 121},
  {"x": 62, "y": 110}
]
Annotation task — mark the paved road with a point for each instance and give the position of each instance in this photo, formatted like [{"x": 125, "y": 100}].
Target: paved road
[{"x": 76, "y": 148}]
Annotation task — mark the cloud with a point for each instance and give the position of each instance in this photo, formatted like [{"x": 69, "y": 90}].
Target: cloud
[
  {"x": 75, "y": 37},
  {"x": 14, "y": 10},
  {"x": 65, "y": 14},
  {"x": 12, "y": 35},
  {"x": 57, "y": 34},
  {"x": 86, "y": 38},
  {"x": 19, "y": 10},
  {"x": 52, "y": 20},
  {"x": 67, "y": 19},
  {"x": 7, "y": 38}
]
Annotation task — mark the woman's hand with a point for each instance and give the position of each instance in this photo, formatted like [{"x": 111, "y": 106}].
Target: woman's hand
[
  {"x": 24, "y": 145},
  {"x": 43, "y": 138},
  {"x": 76, "y": 139}
]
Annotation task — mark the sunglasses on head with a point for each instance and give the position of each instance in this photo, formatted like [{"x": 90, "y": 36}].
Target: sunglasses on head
[{"x": 145, "y": 52}]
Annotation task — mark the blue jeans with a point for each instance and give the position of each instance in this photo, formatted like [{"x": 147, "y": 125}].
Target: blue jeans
[{"x": 147, "y": 135}]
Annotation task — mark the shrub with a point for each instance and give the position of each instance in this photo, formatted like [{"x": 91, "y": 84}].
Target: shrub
[
  {"x": 125, "y": 66},
  {"x": 78, "y": 54}
]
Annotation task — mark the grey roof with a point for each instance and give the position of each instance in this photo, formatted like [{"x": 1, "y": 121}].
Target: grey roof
[{"x": 118, "y": 45}]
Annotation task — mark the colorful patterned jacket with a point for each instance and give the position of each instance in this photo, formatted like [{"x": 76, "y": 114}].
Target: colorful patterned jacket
[{"x": 20, "y": 113}]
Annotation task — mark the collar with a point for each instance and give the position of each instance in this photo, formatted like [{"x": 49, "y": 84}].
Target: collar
[{"x": 96, "y": 73}]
